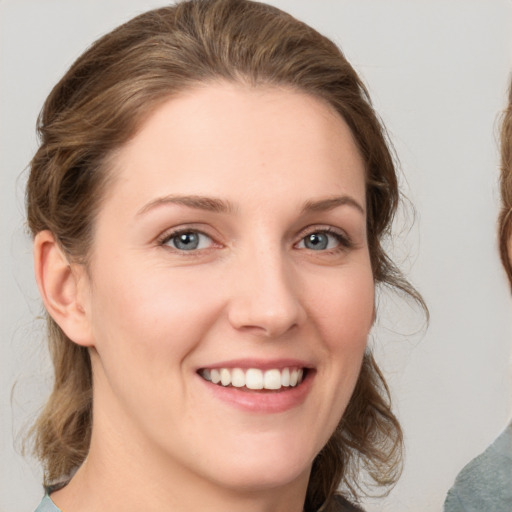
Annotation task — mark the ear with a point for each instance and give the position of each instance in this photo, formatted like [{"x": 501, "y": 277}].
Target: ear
[{"x": 64, "y": 288}]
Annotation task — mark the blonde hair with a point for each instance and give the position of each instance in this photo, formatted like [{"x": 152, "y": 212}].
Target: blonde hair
[{"x": 100, "y": 103}]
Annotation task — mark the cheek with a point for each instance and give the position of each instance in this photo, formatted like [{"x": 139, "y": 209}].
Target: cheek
[
  {"x": 145, "y": 326},
  {"x": 344, "y": 309},
  {"x": 152, "y": 313}
]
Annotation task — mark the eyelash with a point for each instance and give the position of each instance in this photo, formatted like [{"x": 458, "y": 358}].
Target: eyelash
[
  {"x": 168, "y": 236},
  {"x": 343, "y": 240}
]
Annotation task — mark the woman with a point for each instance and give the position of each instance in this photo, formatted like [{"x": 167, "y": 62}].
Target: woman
[
  {"x": 208, "y": 204},
  {"x": 485, "y": 483}
]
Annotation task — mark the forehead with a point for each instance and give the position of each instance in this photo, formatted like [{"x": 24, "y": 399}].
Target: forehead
[{"x": 242, "y": 135}]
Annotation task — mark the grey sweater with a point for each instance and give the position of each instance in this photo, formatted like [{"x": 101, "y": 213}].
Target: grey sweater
[{"x": 485, "y": 484}]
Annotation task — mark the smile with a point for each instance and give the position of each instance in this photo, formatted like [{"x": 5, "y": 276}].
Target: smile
[{"x": 254, "y": 378}]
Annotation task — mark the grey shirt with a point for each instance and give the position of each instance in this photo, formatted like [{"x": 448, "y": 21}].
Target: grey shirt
[
  {"x": 485, "y": 484},
  {"x": 47, "y": 505}
]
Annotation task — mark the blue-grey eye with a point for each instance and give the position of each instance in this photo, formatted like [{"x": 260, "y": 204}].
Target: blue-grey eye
[
  {"x": 320, "y": 241},
  {"x": 189, "y": 241}
]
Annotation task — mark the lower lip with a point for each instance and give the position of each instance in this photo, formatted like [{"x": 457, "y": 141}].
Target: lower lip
[{"x": 263, "y": 401}]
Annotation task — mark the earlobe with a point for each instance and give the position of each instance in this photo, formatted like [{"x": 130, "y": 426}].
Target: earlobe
[{"x": 61, "y": 286}]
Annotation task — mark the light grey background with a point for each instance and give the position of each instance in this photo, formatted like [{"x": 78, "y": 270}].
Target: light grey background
[{"x": 437, "y": 71}]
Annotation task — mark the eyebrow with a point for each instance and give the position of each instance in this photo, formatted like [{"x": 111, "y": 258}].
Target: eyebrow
[
  {"x": 216, "y": 205},
  {"x": 210, "y": 204},
  {"x": 323, "y": 205}
]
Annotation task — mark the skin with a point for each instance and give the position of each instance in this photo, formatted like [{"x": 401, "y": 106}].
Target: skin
[{"x": 153, "y": 315}]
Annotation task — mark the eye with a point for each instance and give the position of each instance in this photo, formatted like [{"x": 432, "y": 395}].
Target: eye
[
  {"x": 188, "y": 240},
  {"x": 323, "y": 241}
]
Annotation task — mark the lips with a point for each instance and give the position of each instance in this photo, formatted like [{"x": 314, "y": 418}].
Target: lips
[
  {"x": 254, "y": 378},
  {"x": 258, "y": 386}
]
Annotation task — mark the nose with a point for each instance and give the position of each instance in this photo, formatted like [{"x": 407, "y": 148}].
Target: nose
[{"x": 264, "y": 299}]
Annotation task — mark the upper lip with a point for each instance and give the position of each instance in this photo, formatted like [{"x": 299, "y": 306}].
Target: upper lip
[{"x": 262, "y": 364}]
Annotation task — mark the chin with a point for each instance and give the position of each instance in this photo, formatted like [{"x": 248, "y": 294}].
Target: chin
[
  {"x": 261, "y": 477},
  {"x": 264, "y": 468}
]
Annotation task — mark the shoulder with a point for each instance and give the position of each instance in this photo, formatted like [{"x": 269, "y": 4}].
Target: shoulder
[{"x": 486, "y": 482}]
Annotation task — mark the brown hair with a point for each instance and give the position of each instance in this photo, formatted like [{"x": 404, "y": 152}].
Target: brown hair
[
  {"x": 505, "y": 217},
  {"x": 101, "y": 102}
]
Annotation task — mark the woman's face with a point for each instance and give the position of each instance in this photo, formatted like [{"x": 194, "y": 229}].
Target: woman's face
[{"x": 230, "y": 245}]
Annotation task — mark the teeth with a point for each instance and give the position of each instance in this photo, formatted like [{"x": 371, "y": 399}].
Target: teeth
[
  {"x": 285, "y": 377},
  {"x": 238, "y": 378},
  {"x": 254, "y": 378},
  {"x": 225, "y": 377},
  {"x": 272, "y": 379}
]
